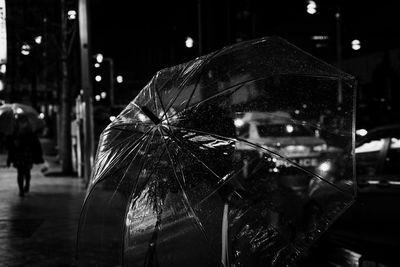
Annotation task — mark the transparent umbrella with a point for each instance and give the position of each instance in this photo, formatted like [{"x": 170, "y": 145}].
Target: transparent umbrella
[
  {"x": 242, "y": 157},
  {"x": 10, "y": 112}
]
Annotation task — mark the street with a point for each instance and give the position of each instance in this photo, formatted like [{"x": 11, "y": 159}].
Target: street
[{"x": 39, "y": 229}]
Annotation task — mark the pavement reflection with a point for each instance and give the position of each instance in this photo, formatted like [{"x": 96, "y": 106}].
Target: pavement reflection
[{"x": 40, "y": 228}]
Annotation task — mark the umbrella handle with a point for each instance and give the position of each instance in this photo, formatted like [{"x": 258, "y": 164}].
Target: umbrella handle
[{"x": 225, "y": 248}]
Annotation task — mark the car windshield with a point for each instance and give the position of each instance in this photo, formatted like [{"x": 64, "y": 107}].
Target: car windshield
[{"x": 283, "y": 130}]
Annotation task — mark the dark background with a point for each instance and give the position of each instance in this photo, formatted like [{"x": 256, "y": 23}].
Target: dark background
[
  {"x": 135, "y": 33},
  {"x": 145, "y": 36}
]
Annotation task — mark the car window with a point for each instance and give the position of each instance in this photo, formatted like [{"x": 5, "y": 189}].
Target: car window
[
  {"x": 281, "y": 130},
  {"x": 392, "y": 161}
]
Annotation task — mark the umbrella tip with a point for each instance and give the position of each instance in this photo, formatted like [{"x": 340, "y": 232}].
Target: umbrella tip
[{"x": 150, "y": 114}]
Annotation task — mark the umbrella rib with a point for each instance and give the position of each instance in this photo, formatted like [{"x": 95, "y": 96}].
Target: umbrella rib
[
  {"x": 132, "y": 131},
  {"x": 153, "y": 88},
  {"x": 153, "y": 168},
  {"x": 147, "y": 145},
  {"x": 124, "y": 155},
  {"x": 241, "y": 84},
  {"x": 85, "y": 202},
  {"x": 221, "y": 181},
  {"x": 163, "y": 107},
  {"x": 225, "y": 90},
  {"x": 146, "y": 134},
  {"x": 135, "y": 189},
  {"x": 224, "y": 182},
  {"x": 189, "y": 206},
  {"x": 270, "y": 152},
  {"x": 182, "y": 84},
  {"x": 99, "y": 180},
  {"x": 232, "y": 176},
  {"x": 123, "y": 177},
  {"x": 195, "y": 87},
  {"x": 134, "y": 123},
  {"x": 200, "y": 161}
]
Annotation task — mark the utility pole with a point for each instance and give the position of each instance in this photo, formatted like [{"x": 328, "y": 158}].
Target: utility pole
[
  {"x": 228, "y": 22},
  {"x": 339, "y": 54},
  {"x": 88, "y": 155},
  {"x": 65, "y": 124},
  {"x": 111, "y": 71},
  {"x": 44, "y": 55},
  {"x": 199, "y": 27}
]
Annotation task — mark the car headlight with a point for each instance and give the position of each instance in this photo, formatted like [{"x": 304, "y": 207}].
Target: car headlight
[
  {"x": 325, "y": 166},
  {"x": 320, "y": 148}
]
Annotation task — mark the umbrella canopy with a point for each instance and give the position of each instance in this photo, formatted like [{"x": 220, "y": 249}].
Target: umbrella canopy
[
  {"x": 242, "y": 157},
  {"x": 10, "y": 112}
]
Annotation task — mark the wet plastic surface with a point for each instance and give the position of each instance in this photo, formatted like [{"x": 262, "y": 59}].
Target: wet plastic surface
[{"x": 189, "y": 174}]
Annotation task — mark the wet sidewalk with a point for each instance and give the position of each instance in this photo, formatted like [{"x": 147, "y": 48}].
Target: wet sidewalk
[{"x": 39, "y": 229}]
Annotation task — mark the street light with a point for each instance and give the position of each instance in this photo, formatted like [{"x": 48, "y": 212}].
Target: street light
[
  {"x": 38, "y": 39},
  {"x": 189, "y": 42},
  {"x": 339, "y": 53},
  {"x": 100, "y": 58},
  {"x": 25, "y": 49},
  {"x": 311, "y": 7},
  {"x": 120, "y": 79},
  {"x": 71, "y": 14},
  {"x": 3, "y": 68},
  {"x": 355, "y": 44}
]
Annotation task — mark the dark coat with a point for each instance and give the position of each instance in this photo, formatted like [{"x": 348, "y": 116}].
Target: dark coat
[{"x": 24, "y": 150}]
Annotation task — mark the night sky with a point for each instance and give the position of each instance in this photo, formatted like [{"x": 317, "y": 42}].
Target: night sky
[{"x": 144, "y": 36}]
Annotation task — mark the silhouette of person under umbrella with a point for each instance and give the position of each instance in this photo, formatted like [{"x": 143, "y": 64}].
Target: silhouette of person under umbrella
[{"x": 24, "y": 150}]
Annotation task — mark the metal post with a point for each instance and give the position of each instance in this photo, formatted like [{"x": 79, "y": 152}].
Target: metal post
[
  {"x": 65, "y": 105},
  {"x": 111, "y": 63},
  {"x": 45, "y": 75},
  {"x": 87, "y": 89},
  {"x": 228, "y": 22},
  {"x": 339, "y": 54},
  {"x": 79, "y": 141},
  {"x": 199, "y": 27}
]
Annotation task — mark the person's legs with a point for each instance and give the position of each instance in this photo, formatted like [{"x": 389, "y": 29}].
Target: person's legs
[
  {"x": 27, "y": 180},
  {"x": 20, "y": 180}
]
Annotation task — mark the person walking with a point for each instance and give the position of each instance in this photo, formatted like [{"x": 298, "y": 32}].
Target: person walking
[{"x": 24, "y": 150}]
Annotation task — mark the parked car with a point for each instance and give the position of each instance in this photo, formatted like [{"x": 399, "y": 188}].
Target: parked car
[
  {"x": 378, "y": 157},
  {"x": 368, "y": 233},
  {"x": 274, "y": 143},
  {"x": 277, "y": 132}
]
